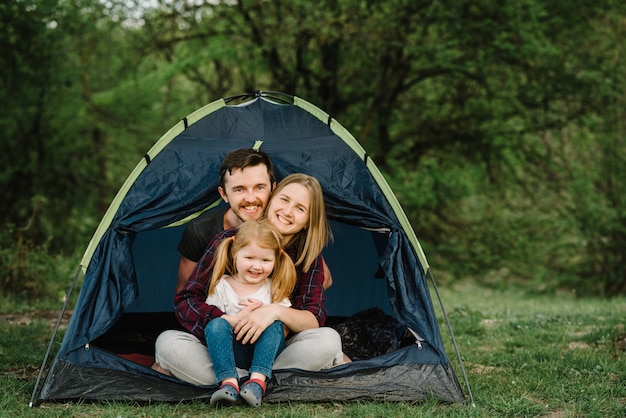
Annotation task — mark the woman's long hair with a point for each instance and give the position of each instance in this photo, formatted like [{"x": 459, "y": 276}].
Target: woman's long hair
[
  {"x": 313, "y": 238},
  {"x": 265, "y": 235}
]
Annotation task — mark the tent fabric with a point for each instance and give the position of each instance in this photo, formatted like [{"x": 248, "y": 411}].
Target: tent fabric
[
  {"x": 375, "y": 258},
  {"x": 402, "y": 381}
]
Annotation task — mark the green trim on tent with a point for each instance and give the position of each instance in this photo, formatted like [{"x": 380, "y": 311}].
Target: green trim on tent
[
  {"x": 143, "y": 163},
  {"x": 193, "y": 215},
  {"x": 347, "y": 137}
]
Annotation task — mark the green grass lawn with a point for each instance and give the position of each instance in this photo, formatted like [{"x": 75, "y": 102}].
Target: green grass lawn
[{"x": 524, "y": 355}]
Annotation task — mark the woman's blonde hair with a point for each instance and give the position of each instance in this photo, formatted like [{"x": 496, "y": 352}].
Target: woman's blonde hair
[
  {"x": 265, "y": 235},
  {"x": 313, "y": 238}
]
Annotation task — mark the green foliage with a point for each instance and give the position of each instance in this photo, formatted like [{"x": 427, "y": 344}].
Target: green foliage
[
  {"x": 15, "y": 337},
  {"x": 498, "y": 124},
  {"x": 27, "y": 270}
]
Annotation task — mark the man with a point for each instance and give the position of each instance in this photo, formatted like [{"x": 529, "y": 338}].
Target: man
[{"x": 246, "y": 182}]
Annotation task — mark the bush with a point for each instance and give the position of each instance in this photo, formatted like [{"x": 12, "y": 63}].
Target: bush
[{"x": 25, "y": 267}]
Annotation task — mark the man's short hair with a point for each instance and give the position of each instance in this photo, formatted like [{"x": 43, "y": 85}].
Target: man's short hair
[{"x": 246, "y": 157}]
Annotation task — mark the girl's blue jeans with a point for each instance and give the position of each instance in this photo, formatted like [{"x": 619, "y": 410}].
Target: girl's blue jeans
[{"x": 227, "y": 353}]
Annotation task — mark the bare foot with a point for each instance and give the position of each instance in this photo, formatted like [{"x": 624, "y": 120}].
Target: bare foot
[
  {"x": 156, "y": 367},
  {"x": 344, "y": 360}
]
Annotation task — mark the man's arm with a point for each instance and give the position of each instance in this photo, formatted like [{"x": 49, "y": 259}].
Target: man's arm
[
  {"x": 185, "y": 268},
  {"x": 196, "y": 237}
]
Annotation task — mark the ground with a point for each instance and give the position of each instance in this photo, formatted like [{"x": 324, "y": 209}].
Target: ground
[{"x": 27, "y": 318}]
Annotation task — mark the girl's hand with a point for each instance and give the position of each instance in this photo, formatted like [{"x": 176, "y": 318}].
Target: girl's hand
[
  {"x": 249, "y": 306},
  {"x": 251, "y": 303}
]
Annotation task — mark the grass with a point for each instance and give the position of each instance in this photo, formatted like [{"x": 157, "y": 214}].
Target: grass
[{"x": 525, "y": 355}]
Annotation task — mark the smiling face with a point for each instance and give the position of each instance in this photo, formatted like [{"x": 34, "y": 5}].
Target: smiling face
[
  {"x": 288, "y": 210},
  {"x": 254, "y": 264},
  {"x": 247, "y": 191}
]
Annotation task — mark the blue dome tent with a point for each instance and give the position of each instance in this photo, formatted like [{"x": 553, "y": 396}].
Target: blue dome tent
[{"x": 129, "y": 268}]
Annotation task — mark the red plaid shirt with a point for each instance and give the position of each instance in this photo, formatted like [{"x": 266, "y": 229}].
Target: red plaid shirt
[{"x": 190, "y": 303}]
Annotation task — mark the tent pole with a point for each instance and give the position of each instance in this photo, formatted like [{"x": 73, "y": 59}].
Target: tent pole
[
  {"x": 54, "y": 333},
  {"x": 456, "y": 348}
]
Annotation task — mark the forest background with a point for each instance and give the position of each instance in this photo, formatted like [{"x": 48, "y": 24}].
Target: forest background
[{"x": 499, "y": 125}]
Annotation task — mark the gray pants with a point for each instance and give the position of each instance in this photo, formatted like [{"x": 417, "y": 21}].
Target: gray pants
[{"x": 187, "y": 358}]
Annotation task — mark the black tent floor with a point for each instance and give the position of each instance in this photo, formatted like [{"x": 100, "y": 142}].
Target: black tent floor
[{"x": 401, "y": 382}]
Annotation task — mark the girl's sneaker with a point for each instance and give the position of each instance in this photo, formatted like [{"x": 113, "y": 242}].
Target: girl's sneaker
[
  {"x": 227, "y": 394},
  {"x": 252, "y": 392}
]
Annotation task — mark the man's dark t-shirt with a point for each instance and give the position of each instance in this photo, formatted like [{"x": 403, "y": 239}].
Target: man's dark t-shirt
[{"x": 200, "y": 231}]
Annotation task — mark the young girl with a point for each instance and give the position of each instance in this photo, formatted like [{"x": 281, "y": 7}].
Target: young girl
[{"x": 249, "y": 267}]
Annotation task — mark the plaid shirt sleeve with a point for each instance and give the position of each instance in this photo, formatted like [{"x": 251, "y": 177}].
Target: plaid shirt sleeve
[
  {"x": 309, "y": 291},
  {"x": 190, "y": 303}
]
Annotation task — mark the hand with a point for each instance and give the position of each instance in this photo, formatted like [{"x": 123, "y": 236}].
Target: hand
[
  {"x": 250, "y": 328},
  {"x": 250, "y": 305}
]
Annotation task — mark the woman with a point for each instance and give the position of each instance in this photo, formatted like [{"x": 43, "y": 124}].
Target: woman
[{"x": 296, "y": 209}]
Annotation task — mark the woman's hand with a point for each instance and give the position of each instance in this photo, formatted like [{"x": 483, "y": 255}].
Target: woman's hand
[{"x": 250, "y": 328}]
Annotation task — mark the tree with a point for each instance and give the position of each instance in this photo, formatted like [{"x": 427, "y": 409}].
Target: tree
[{"x": 488, "y": 118}]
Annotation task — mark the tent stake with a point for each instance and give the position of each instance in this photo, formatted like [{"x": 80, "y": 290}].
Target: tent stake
[
  {"x": 54, "y": 334},
  {"x": 456, "y": 348}
]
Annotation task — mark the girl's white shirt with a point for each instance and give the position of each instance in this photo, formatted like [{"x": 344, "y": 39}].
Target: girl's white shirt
[{"x": 227, "y": 300}]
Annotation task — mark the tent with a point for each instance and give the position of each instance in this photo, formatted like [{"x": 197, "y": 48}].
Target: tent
[{"x": 129, "y": 268}]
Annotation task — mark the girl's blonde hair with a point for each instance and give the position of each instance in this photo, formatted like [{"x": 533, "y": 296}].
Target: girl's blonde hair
[
  {"x": 313, "y": 238},
  {"x": 265, "y": 235}
]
